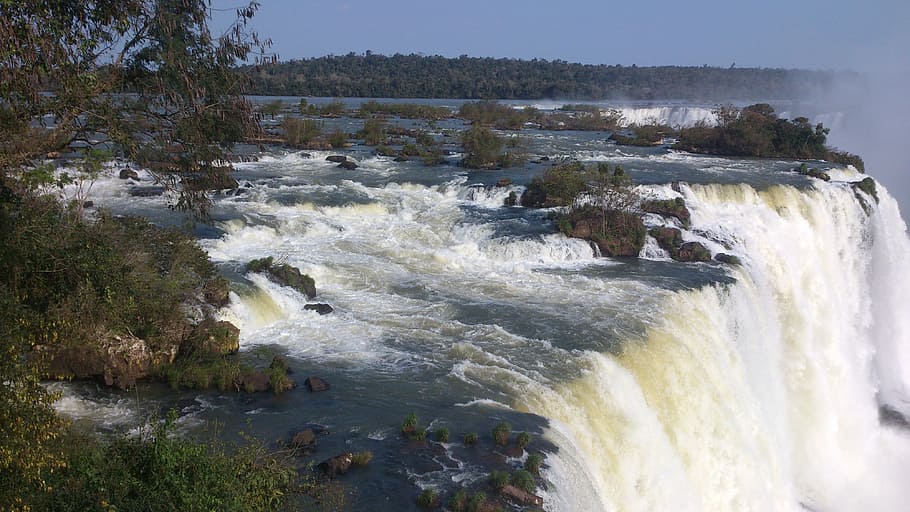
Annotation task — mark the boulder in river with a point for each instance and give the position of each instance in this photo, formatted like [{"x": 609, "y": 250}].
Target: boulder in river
[
  {"x": 128, "y": 173},
  {"x": 316, "y": 384},
  {"x": 348, "y": 164},
  {"x": 336, "y": 158},
  {"x": 322, "y": 309},
  {"x": 337, "y": 465}
]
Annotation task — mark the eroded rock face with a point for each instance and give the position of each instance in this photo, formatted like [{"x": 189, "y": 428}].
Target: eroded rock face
[
  {"x": 616, "y": 233},
  {"x": 322, "y": 309},
  {"x": 692, "y": 251},
  {"x": 668, "y": 208},
  {"x": 285, "y": 275},
  {"x": 214, "y": 337},
  {"x": 116, "y": 360},
  {"x": 520, "y": 496}
]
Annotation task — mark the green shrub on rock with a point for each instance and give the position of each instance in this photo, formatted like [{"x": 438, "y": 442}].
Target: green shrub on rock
[
  {"x": 427, "y": 499},
  {"x": 499, "y": 479},
  {"x": 470, "y": 439},
  {"x": 533, "y": 463},
  {"x": 501, "y": 433},
  {"x": 523, "y": 480},
  {"x": 523, "y": 440},
  {"x": 442, "y": 435}
]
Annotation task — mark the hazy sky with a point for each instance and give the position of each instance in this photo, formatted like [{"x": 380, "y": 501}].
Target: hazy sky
[{"x": 817, "y": 34}]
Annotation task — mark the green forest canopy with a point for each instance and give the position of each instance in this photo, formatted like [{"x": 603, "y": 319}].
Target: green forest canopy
[{"x": 415, "y": 76}]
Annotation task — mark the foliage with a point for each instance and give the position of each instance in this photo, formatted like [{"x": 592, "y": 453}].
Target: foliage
[
  {"x": 459, "y": 501},
  {"x": 483, "y": 149},
  {"x": 416, "y": 76},
  {"x": 533, "y": 463},
  {"x": 300, "y": 132},
  {"x": 159, "y": 470},
  {"x": 559, "y": 186},
  {"x": 501, "y": 433},
  {"x": 373, "y": 132},
  {"x": 477, "y": 502},
  {"x": 523, "y": 480},
  {"x": 497, "y": 115},
  {"x": 272, "y": 108},
  {"x": 335, "y": 108},
  {"x": 427, "y": 499},
  {"x": 361, "y": 459},
  {"x": 523, "y": 440},
  {"x": 338, "y": 139},
  {"x": 409, "y": 425},
  {"x": 405, "y": 110},
  {"x": 756, "y": 131},
  {"x": 442, "y": 435},
  {"x": 470, "y": 439},
  {"x": 499, "y": 479},
  {"x": 185, "y": 105}
]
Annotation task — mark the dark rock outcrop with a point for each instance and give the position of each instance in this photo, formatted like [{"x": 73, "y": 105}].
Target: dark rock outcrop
[
  {"x": 150, "y": 191},
  {"x": 729, "y": 259},
  {"x": 214, "y": 338},
  {"x": 669, "y": 239},
  {"x": 503, "y": 182},
  {"x": 668, "y": 208},
  {"x": 520, "y": 496},
  {"x": 867, "y": 185},
  {"x": 322, "y": 309},
  {"x": 511, "y": 199},
  {"x": 303, "y": 440},
  {"x": 128, "y": 173},
  {"x": 217, "y": 292},
  {"x": 285, "y": 275},
  {"x": 616, "y": 233},
  {"x": 336, "y": 158},
  {"x": 337, "y": 465},
  {"x": 316, "y": 384},
  {"x": 348, "y": 164},
  {"x": 253, "y": 382},
  {"x": 692, "y": 251}
]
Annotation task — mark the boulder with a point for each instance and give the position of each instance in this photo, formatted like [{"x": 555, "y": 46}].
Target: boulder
[
  {"x": 336, "y": 158},
  {"x": 322, "y": 309},
  {"x": 337, "y": 465},
  {"x": 88, "y": 204},
  {"x": 520, "y": 496},
  {"x": 348, "y": 164},
  {"x": 254, "y": 382},
  {"x": 213, "y": 337},
  {"x": 669, "y": 239},
  {"x": 867, "y": 185},
  {"x": 729, "y": 259},
  {"x": 303, "y": 440},
  {"x": 692, "y": 251},
  {"x": 316, "y": 384},
  {"x": 285, "y": 275},
  {"x": 217, "y": 292},
  {"x": 400, "y": 158},
  {"x": 616, "y": 233},
  {"x": 504, "y": 182},
  {"x": 511, "y": 199},
  {"x": 217, "y": 179},
  {"x": 116, "y": 360},
  {"x": 128, "y": 173}
]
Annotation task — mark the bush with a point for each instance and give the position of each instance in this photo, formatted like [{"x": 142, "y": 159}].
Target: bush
[
  {"x": 482, "y": 147},
  {"x": 533, "y": 463},
  {"x": 523, "y": 480},
  {"x": 338, "y": 139},
  {"x": 470, "y": 439},
  {"x": 427, "y": 498},
  {"x": 442, "y": 435},
  {"x": 373, "y": 132},
  {"x": 409, "y": 425},
  {"x": 361, "y": 459},
  {"x": 501, "y": 433},
  {"x": 300, "y": 132},
  {"x": 559, "y": 186},
  {"x": 499, "y": 479},
  {"x": 523, "y": 440},
  {"x": 477, "y": 502},
  {"x": 459, "y": 501}
]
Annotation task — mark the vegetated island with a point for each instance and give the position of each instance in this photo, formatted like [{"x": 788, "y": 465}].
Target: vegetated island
[{"x": 373, "y": 75}]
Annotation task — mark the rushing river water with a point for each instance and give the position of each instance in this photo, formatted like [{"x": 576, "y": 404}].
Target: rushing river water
[{"x": 650, "y": 385}]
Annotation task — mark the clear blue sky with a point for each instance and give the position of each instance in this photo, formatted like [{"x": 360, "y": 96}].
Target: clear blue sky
[{"x": 815, "y": 34}]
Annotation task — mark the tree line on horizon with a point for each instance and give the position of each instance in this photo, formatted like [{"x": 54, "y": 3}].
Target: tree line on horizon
[{"x": 373, "y": 75}]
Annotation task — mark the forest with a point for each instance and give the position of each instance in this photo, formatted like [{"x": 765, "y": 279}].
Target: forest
[{"x": 372, "y": 75}]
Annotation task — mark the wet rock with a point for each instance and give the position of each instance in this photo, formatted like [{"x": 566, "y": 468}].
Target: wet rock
[
  {"x": 692, "y": 251},
  {"x": 511, "y": 200},
  {"x": 503, "y": 182},
  {"x": 336, "y": 158},
  {"x": 669, "y": 239},
  {"x": 150, "y": 191},
  {"x": 337, "y": 465},
  {"x": 521, "y": 497},
  {"x": 285, "y": 275},
  {"x": 254, "y": 382},
  {"x": 316, "y": 384},
  {"x": 217, "y": 292},
  {"x": 128, "y": 173},
  {"x": 348, "y": 164},
  {"x": 303, "y": 440},
  {"x": 729, "y": 259},
  {"x": 668, "y": 208},
  {"x": 616, "y": 233},
  {"x": 88, "y": 204},
  {"x": 867, "y": 185},
  {"x": 213, "y": 337},
  {"x": 401, "y": 158},
  {"x": 322, "y": 309}
]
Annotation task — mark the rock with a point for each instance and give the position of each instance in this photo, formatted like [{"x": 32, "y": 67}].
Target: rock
[
  {"x": 322, "y": 309},
  {"x": 511, "y": 200},
  {"x": 692, "y": 251},
  {"x": 519, "y": 496},
  {"x": 400, "y": 158},
  {"x": 128, "y": 173},
  {"x": 729, "y": 259},
  {"x": 348, "y": 164},
  {"x": 337, "y": 465},
  {"x": 115, "y": 360},
  {"x": 88, "y": 204},
  {"x": 255, "y": 382},
  {"x": 867, "y": 185},
  {"x": 218, "y": 179},
  {"x": 213, "y": 337},
  {"x": 316, "y": 384},
  {"x": 53, "y": 155},
  {"x": 544, "y": 159},
  {"x": 616, "y": 233},
  {"x": 287, "y": 275},
  {"x": 303, "y": 440},
  {"x": 217, "y": 292},
  {"x": 504, "y": 182},
  {"x": 668, "y": 208},
  {"x": 336, "y": 158},
  {"x": 304, "y": 155},
  {"x": 669, "y": 239},
  {"x": 279, "y": 362},
  {"x": 150, "y": 191}
]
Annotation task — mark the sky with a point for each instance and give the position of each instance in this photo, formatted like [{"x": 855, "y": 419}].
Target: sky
[{"x": 814, "y": 34}]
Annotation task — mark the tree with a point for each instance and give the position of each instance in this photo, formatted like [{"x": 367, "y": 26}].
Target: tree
[{"x": 145, "y": 78}]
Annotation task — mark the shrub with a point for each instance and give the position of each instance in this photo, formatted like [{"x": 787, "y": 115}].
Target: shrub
[
  {"x": 419, "y": 434},
  {"x": 559, "y": 186},
  {"x": 373, "y": 132},
  {"x": 470, "y": 439},
  {"x": 361, "y": 459},
  {"x": 523, "y": 480},
  {"x": 409, "y": 425},
  {"x": 442, "y": 435},
  {"x": 477, "y": 502},
  {"x": 482, "y": 147},
  {"x": 523, "y": 440},
  {"x": 499, "y": 479},
  {"x": 299, "y": 132},
  {"x": 427, "y": 498},
  {"x": 338, "y": 139},
  {"x": 501, "y": 433},
  {"x": 459, "y": 501},
  {"x": 533, "y": 463}
]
